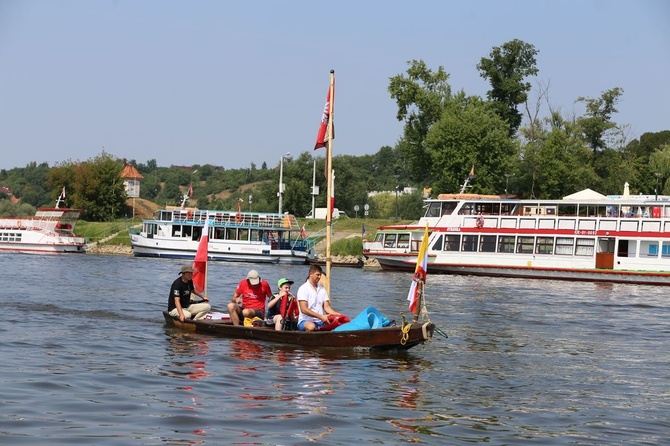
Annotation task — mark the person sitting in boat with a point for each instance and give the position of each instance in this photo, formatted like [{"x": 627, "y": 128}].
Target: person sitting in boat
[
  {"x": 313, "y": 302},
  {"x": 179, "y": 301},
  {"x": 279, "y": 304},
  {"x": 249, "y": 298}
]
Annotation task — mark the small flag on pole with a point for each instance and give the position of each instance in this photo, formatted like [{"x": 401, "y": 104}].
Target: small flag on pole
[
  {"x": 363, "y": 230},
  {"x": 420, "y": 273},
  {"x": 472, "y": 172},
  {"x": 322, "y": 135},
  {"x": 200, "y": 262},
  {"x": 63, "y": 192},
  {"x": 303, "y": 233},
  {"x": 190, "y": 190}
]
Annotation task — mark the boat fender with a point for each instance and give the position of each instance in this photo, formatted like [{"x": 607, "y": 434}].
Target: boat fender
[
  {"x": 480, "y": 222},
  {"x": 238, "y": 217}
]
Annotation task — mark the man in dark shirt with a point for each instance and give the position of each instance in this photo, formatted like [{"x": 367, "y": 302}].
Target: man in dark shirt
[{"x": 179, "y": 301}]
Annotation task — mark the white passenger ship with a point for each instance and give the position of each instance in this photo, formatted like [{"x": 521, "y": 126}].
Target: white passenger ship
[
  {"x": 50, "y": 231},
  {"x": 599, "y": 239},
  {"x": 233, "y": 236}
]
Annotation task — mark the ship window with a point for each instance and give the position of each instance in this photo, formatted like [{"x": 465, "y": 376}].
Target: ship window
[
  {"x": 231, "y": 234},
  {"x": 379, "y": 237},
  {"x": 544, "y": 245},
  {"x": 565, "y": 245},
  {"x": 585, "y": 247},
  {"x": 506, "y": 243},
  {"x": 186, "y": 231},
  {"x": 433, "y": 210},
  {"x": 437, "y": 245},
  {"x": 176, "y": 230},
  {"x": 389, "y": 241},
  {"x": 243, "y": 234},
  {"x": 653, "y": 250},
  {"x": 487, "y": 243},
  {"x": 448, "y": 207},
  {"x": 403, "y": 240},
  {"x": 665, "y": 249},
  {"x": 524, "y": 245},
  {"x": 452, "y": 242},
  {"x": 467, "y": 209},
  {"x": 470, "y": 243}
]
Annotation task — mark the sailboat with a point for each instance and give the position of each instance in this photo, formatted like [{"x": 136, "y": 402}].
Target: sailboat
[{"x": 377, "y": 337}]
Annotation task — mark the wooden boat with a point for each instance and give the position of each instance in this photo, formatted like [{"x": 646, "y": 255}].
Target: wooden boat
[
  {"x": 390, "y": 337},
  {"x": 386, "y": 338}
]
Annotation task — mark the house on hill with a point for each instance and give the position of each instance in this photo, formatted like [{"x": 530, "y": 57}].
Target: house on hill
[{"x": 131, "y": 180}]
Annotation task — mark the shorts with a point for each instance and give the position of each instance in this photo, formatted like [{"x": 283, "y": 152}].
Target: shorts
[
  {"x": 301, "y": 325},
  {"x": 259, "y": 313}
]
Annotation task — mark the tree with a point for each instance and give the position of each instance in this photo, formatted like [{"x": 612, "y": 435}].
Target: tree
[
  {"x": 505, "y": 69},
  {"x": 421, "y": 97},
  {"x": 469, "y": 133},
  {"x": 596, "y": 123}
]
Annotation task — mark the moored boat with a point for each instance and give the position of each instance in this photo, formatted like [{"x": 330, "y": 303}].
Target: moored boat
[
  {"x": 586, "y": 236},
  {"x": 233, "y": 236},
  {"x": 49, "y": 231}
]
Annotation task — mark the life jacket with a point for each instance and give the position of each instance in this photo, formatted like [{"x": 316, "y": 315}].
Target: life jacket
[{"x": 289, "y": 313}]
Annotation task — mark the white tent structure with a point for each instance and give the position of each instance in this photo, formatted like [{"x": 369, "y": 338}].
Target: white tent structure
[{"x": 586, "y": 194}]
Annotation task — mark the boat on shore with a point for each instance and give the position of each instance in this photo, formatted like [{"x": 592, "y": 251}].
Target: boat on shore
[
  {"x": 586, "y": 236},
  {"x": 401, "y": 337},
  {"x": 233, "y": 236},
  {"x": 49, "y": 231}
]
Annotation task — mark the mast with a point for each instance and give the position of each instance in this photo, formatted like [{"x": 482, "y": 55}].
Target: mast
[{"x": 329, "y": 179}]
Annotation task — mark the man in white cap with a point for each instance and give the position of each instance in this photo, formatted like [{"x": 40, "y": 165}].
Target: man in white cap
[
  {"x": 179, "y": 301},
  {"x": 249, "y": 298}
]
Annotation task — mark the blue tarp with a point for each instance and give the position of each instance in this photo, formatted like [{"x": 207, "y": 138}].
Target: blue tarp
[{"x": 366, "y": 319}]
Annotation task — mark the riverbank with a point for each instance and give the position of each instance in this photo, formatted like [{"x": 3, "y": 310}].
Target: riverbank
[{"x": 122, "y": 250}]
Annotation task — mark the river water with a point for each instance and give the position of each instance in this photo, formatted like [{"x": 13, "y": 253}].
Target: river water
[{"x": 88, "y": 360}]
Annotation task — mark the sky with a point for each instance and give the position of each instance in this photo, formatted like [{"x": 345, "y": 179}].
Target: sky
[{"x": 234, "y": 83}]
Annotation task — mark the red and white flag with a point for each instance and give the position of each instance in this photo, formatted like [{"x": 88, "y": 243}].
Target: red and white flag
[
  {"x": 322, "y": 135},
  {"x": 63, "y": 192},
  {"x": 200, "y": 262},
  {"x": 303, "y": 233},
  {"x": 190, "y": 190},
  {"x": 420, "y": 273}
]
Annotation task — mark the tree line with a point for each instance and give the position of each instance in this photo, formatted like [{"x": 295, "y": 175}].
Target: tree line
[{"x": 512, "y": 147}]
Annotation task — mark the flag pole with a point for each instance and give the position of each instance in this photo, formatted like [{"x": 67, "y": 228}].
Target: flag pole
[{"x": 329, "y": 179}]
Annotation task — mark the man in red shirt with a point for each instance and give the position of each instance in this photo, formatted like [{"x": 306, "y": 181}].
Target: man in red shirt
[{"x": 249, "y": 298}]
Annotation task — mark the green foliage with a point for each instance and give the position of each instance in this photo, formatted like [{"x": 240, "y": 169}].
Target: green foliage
[
  {"x": 420, "y": 97},
  {"x": 469, "y": 133},
  {"x": 347, "y": 247},
  {"x": 9, "y": 209},
  {"x": 506, "y": 70},
  {"x": 596, "y": 123}
]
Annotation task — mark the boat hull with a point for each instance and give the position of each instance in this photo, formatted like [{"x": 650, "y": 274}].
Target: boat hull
[
  {"x": 75, "y": 248},
  {"x": 50, "y": 231},
  {"x": 387, "y": 338},
  {"x": 232, "y": 256},
  {"x": 585, "y": 275}
]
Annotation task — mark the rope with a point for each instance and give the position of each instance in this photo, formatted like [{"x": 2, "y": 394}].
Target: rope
[{"x": 405, "y": 333}]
